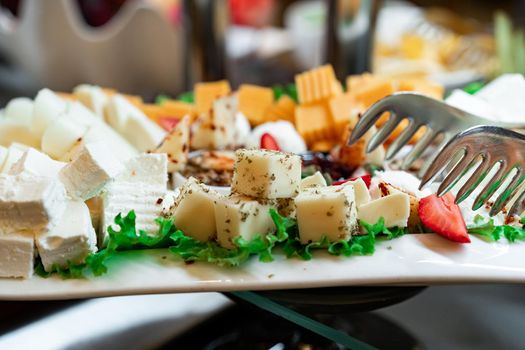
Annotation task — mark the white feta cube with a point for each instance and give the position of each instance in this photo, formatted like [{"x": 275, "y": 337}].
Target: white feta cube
[
  {"x": 15, "y": 131},
  {"x": 91, "y": 169},
  {"x": 266, "y": 174},
  {"x": 70, "y": 241},
  {"x": 194, "y": 212},
  {"x": 17, "y": 255},
  {"x": 36, "y": 163},
  {"x": 394, "y": 208},
  {"x": 329, "y": 211},
  {"x": 47, "y": 107},
  {"x": 150, "y": 168},
  {"x": 20, "y": 110},
  {"x": 30, "y": 203},
  {"x": 315, "y": 180},
  {"x": 93, "y": 97},
  {"x": 60, "y": 136},
  {"x": 361, "y": 193},
  {"x": 176, "y": 145},
  {"x": 240, "y": 216}
]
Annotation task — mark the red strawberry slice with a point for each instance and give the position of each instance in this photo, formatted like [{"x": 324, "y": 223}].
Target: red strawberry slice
[
  {"x": 366, "y": 178},
  {"x": 443, "y": 216},
  {"x": 168, "y": 123},
  {"x": 269, "y": 142}
]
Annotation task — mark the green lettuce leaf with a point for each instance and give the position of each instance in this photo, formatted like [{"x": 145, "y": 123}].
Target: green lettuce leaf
[
  {"x": 485, "y": 228},
  {"x": 187, "y": 97},
  {"x": 160, "y": 99}
]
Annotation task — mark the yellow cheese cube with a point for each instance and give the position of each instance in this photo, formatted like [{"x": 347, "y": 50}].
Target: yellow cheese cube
[
  {"x": 254, "y": 101},
  {"x": 372, "y": 91},
  {"x": 342, "y": 108},
  {"x": 314, "y": 123},
  {"x": 152, "y": 111},
  {"x": 412, "y": 46},
  {"x": 206, "y": 93},
  {"x": 317, "y": 84},
  {"x": 283, "y": 109}
]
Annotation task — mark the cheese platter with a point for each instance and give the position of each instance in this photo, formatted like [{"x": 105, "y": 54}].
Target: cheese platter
[{"x": 219, "y": 190}]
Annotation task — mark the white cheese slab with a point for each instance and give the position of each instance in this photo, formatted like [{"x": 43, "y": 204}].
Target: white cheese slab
[
  {"x": 151, "y": 169},
  {"x": 17, "y": 255},
  {"x": 36, "y": 163},
  {"x": 71, "y": 240},
  {"x": 394, "y": 209}
]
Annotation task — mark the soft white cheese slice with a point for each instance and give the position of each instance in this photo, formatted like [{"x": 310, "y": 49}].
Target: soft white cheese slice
[
  {"x": 47, "y": 107},
  {"x": 60, "y": 136},
  {"x": 17, "y": 255},
  {"x": 120, "y": 197},
  {"x": 93, "y": 97},
  {"x": 362, "y": 195},
  {"x": 266, "y": 174},
  {"x": 36, "y": 163},
  {"x": 91, "y": 169},
  {"x": 71, "y": 240},
  {"x": 394, "y": 208},
  {"x": 14, "y": 153},
  {"x": 151, "y": 169},
  {"x": 20, "y": 110},
  {"x": 30, "y": 203},
  {"x": 193, "y": 212},
  {"x": 328, "y": 211},
  {"x": 315, "y": 180},
  {"x": 133, "y": 125},
  {"x": 240, "y": 216},
  {"x": 176, "y": 145}
]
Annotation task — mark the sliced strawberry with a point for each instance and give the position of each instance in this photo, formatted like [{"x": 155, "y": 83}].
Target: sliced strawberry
[
  {"x": 269, "y": 142},
  {"x": 443, "y": 216},
  {"x": 168, "y": 123},
  {"x": 366, "y": 178}
]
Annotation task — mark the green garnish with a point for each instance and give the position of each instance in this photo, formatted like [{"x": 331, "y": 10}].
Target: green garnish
[
  {"x": 474, "y": 87},
  {"x": 187, "y": 97},
  {"x": 485, "y": 228},
  {"x": 289, "y": 90},
  {"x": 160, "y": 99}
]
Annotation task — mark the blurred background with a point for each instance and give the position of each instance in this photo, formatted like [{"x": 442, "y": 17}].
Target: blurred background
[{"x": 152, "y": 47}]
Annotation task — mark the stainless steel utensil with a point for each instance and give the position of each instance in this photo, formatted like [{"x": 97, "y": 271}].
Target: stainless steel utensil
[
  {"x": 484, "y": 147},
  {"x": 436, "y": 116}
]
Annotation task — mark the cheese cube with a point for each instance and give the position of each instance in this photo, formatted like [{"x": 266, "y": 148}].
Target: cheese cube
[
  {"x": 177, "y": 145},
  {"x": 394, "y": 208},
  {"x": 29, "y": 203},
  {"x": 61, "y": 135},
  {"x": 14, "y": 131},
  {"x": 254, "y": 101},
  {"x": 328, "y": 211},
  {"x": 17, "y": 255},
  {"x": 14, "y": 153},
  {"x": 71, "y": 240},
  {"x": 361, "y": 192},
  {"x": 373, "y": 91},
  {"x": 317, "y": 85},
  {"x": 150, "y": 169},
  {"x": 315, "y": 180},
  {"x": 342, "y": 109},
  {"x": 36, "y": 163},
  {"x": 193, "y": 212},
  {"x": 239, "y": 216},
  {"x": 206, "y": 93},
  {"x": 91, "y": 169},
  {"x": 266, "y": 174},
  {"x": 120, "y": 197},
  {"x": 283, "y": 109},
  {"x": 93, "y": 97},
  {"x": 314, "y": 123},
  {"x": 20, "y": 110},
  {"x": 224, "y": 119},
  {"x": 47, "y": 107},
  {"x": 178, "y": 109}
]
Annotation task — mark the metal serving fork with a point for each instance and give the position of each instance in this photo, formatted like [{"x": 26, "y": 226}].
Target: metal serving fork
[
  {"x": 484, "y": 146},
  {"x": 438, "y": 117}
]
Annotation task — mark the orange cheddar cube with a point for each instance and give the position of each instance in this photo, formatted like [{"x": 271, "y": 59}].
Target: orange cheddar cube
[
  {"x": 342, "y": 108},
  {"x": 372, "y": 91},
  {"x": 283, "y": 109},
  {"x": 314, "y": 123},
  {"x": 178, "y": 109},
  {"x": 154, "y": 112},
  {"x": 317, "y": 84},
  {"x": 206, "y": 93},
  {"x": 254, "y": 102}
]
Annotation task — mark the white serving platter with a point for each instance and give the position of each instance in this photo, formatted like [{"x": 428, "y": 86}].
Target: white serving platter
[{"x": 418, "y": 259}]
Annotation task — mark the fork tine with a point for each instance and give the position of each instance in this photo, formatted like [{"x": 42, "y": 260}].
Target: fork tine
[
  {"x": 402, "y": 139},
  {"x": 467, "y": 161},
  {"x": 508, "y": 193},
  {"x": 519, "y": 205},
  {"x": 419, "y": 148},
  {"x": 474, "y": 180},
  {"x": 491, "y": 187},
  {"x": 382, "y": 134},
  {"x": 367, "y": 120},
  {"x": 430, "y": 160},
  {"x": 445, "y": 153}
]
